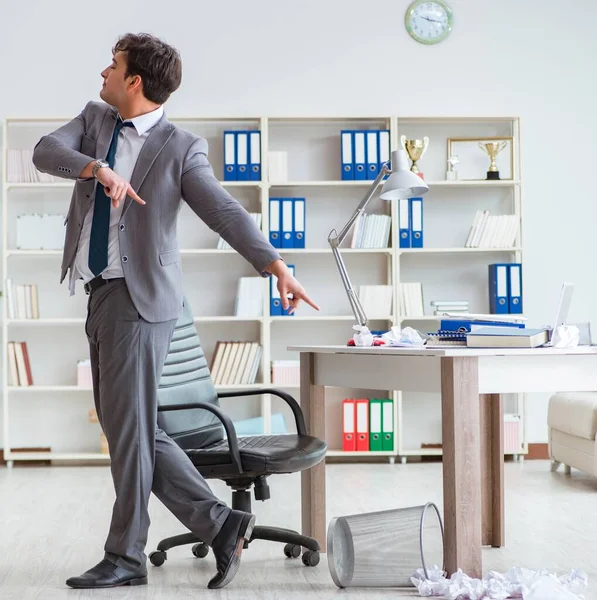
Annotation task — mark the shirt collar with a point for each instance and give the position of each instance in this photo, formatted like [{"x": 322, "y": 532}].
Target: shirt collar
[{"x": 143, "y": 123}]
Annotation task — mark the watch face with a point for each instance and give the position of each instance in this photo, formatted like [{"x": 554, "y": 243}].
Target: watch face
[{"x": 429, "y": 21}]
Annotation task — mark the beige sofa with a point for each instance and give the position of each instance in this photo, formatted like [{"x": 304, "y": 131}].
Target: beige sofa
[{"x": 572, "y": 422}]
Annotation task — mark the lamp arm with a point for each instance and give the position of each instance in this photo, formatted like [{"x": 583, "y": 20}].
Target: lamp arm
[{"x": 335, "y": 239}]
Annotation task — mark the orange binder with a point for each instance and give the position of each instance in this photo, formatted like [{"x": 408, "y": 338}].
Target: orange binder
[
  {"x": 362, "y": 410},
  {"x": 348, "y": 425}
]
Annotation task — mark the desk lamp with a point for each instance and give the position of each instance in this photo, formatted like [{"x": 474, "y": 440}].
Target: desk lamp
[{"x": 401, "y": 183}]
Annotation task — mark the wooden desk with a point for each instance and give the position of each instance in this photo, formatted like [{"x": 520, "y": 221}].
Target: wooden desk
[{"x": 470, "y": 381}]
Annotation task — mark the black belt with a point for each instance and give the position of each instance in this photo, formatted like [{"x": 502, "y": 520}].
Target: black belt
[{"x": 97, "y": 282}]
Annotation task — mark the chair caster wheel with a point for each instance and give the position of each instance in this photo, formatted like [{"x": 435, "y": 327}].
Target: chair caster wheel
[
  {"x": 157, "y": 558},
  {"x": 200, "y": 550},
  {"x": 310, "y": 558},
  {"x": 292, "y": 551}
]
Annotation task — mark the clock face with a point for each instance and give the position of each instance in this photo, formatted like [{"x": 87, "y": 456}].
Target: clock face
[{"x": 429, "y": 21}]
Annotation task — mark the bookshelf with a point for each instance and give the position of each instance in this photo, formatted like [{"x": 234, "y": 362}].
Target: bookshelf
[{"x": 53, "y": 411}]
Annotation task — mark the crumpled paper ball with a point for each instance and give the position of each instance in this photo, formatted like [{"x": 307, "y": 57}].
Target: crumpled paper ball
[
  {"x": 363, "y": 337},
  {"x": 565, "y": 336},
  {"x": 403, "y": 337},
  {"x": 518, "y": 582}
]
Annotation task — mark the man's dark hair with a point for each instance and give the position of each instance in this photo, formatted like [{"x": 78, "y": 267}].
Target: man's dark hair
[{"x": 157, "y": 63}]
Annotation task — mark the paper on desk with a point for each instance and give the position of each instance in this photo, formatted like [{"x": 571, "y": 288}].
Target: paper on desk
[
  {"x": 565, "y": 336},
  {"x": 516, "y": 583},
  {"x": 363, "y": 337},
  {"x": 406, "y": 337}
]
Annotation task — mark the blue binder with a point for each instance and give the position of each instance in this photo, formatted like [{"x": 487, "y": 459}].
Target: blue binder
[
  {"x": 298, "y": 230},
  {"x": 498, "y": 289},
  {"x": 346, "y": 143},
  {"x": 275, "y": 303},
  {"x": 416, "y": 222},
  {"x": 404, "y": 223},
  {"x": 360, "y": 155},
  {"x": 283, "y": 312},
  {"x": 275, "y": 221},
  {"x": 372, "y": 139},
  {"x": 384, "y": 148},
  {"x": 287, "y": 222},
  {"x": 242, "y": 156},
  {"x": 229, "y": 156},
  {"x": 515, "y": 291},
  {"x": 464, "y": 325},
  {"x": 255, "y": 155}
]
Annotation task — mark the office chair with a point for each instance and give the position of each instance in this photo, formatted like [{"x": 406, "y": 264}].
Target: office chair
[{"x": 189, "y": 412}]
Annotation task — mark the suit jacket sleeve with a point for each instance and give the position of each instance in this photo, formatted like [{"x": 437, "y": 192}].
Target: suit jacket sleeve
[
  {"x": 221, "y": 212},
  {"x": 59, "y": 152}
]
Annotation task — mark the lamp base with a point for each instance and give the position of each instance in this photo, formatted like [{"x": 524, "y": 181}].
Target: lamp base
[{"x": 493, "y": 175}]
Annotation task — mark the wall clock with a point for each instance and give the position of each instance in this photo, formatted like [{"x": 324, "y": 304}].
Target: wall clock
[{"x": 428, "y": 21}]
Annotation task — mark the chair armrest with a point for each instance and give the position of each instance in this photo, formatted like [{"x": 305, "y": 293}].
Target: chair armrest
[
  {"x": 294, "y": 405},
  {"x": 226, "y": 422}
]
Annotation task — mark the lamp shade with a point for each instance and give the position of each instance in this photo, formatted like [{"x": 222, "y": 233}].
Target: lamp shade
[{"x": 402, "y": 183}]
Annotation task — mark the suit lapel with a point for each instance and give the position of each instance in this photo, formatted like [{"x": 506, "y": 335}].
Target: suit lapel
[{"x": 152, "y": 147}]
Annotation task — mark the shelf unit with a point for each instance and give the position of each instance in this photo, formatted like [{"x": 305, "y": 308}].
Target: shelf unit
[{"x": 313, "y": 147}]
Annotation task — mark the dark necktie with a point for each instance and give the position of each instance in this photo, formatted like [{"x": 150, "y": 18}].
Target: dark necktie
[{"x": 98, "y": 242}]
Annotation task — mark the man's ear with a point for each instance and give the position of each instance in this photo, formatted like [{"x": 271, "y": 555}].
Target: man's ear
[{"x": 135, "y": 83}]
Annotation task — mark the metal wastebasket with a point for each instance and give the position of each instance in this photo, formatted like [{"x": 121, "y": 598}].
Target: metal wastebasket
[{"x": 384, "y": 549}]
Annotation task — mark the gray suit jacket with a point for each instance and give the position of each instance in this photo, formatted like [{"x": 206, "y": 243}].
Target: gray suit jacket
[{"x": 171, "y": 167}]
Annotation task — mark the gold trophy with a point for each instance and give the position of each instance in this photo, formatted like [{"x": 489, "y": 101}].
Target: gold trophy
[
  {"x": 415, "y": 150},
  {"x": 492, "y": 149}
]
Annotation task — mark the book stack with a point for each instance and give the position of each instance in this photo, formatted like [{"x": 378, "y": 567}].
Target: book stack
[
  {"x": 376, "y": 300},
  {"x": 410, "y": 299},
  {"x": 455, "y": 328},
  {"x": 235, "y": 363},
  {"x": 441, "y": 307},
  {"x": 371, "y": 231},
  {"x": 488, "y": 231},
  {"x": 23, "y": 300},
  {"x": 286, "y": 372},
  {"x": 19, "y": 364},
  {"x": 249, "y": 297},
  {"x": 20, "y": 168},
  {"x": 224, "y": 245}
]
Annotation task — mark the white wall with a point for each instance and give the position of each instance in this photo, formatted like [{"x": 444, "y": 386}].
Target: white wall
[{"x": 530, "y": 58}]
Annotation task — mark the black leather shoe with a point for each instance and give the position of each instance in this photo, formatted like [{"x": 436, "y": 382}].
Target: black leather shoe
[
  {"x": 228, "y": 546},
  {"x": 106, "y": 575}
]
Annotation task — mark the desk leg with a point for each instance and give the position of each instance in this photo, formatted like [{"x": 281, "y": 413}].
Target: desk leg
[
  {"x": 492, "y": 468},
  {"x": 461, "y": 465},
  {"x": 313, "y": 480}
]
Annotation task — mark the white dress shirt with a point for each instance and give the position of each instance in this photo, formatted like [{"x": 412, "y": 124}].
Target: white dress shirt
[{"x": 130, "y": 142}]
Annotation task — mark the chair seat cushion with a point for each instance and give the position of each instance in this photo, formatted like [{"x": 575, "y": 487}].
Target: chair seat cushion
[
  {"x": 574, "y": 413},
  {"x": 263, "y": 454}
]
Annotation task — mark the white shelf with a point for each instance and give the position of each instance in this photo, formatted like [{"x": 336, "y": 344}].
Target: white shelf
[
  {"x": 312, "y": 177},
  {"x": 83, "y": 456},
  {"x": 368, "y": 453},
  {"x": 456, "y": 250}
]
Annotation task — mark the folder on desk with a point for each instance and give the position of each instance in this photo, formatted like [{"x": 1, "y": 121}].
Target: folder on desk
[
  {"x": 387, "y": 425},
  {"x": 384, "y": 147},
  {"x": 375, "y": 430},
  {"x": 275, "y": 229},
  {"x": 362, "y": 408},
  {"x": 255, "y": 155},
  {"x": 348, "y": 425},
  {"x": 229, "y": 156},
  {"x": 360, "y": 158},
  {"x": 372, "y": 154},
  {"x": 515, "y": 292},
  {"x": 498, "y": 289},
  {"x": 287, "y": 222},
  {"x": 298, "y": 231},
  {"x": 404, "y": 223},
  {"x": 346, "y": 143},
  {"x": 242, "y": 155},
  {"x": 416, "y": 222}
]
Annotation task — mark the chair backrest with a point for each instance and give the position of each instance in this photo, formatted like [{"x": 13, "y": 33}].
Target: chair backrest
[{"x": 186, "y": 379}]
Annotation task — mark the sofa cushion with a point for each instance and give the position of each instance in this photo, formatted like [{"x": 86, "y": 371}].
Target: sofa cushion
[{"x": 574, "y": 413}]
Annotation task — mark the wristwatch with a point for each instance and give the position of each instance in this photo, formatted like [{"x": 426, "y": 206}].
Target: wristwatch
[{"x": 99, "y": 164}]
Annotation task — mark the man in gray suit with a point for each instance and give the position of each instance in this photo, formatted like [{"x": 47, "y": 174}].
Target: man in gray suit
[{"x": 121, "y": 242}]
